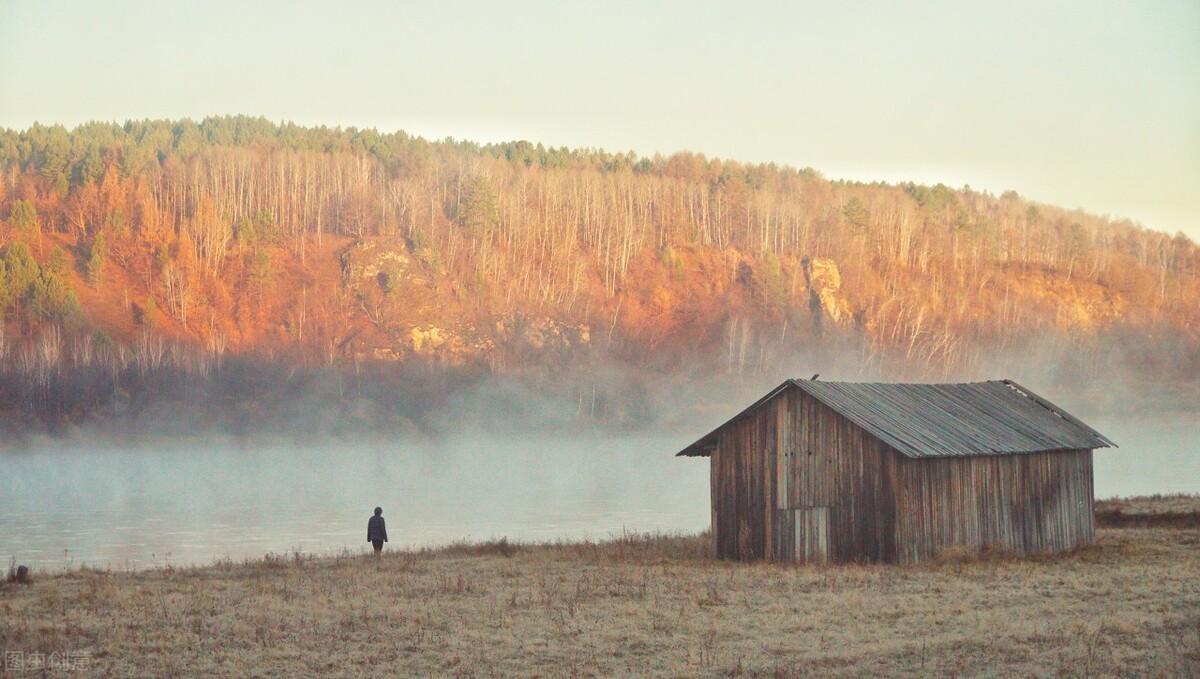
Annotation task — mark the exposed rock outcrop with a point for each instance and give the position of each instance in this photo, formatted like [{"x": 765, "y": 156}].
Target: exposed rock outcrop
[
  {"x": 384, "y": 261},
  {"x": 824, "y": 290},
  {"x": 540, "y": 333}
]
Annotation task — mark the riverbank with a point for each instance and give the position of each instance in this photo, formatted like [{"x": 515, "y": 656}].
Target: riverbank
[{"x": 636, "y": 605}]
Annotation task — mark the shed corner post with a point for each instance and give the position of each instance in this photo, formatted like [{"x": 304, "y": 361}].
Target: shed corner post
[{"x": 713, "y": 524}]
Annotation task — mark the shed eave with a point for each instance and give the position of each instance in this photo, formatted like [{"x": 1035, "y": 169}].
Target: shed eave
[
  {"x": 994, "y": 453},
  {"x": 701, "y": 448}
]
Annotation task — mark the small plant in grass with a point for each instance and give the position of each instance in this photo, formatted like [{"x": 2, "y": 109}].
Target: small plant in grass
[
  {"x": 456, "y": 584},
  {"x": 502, "y": 547},
  {"x": 714, "y": 595}
]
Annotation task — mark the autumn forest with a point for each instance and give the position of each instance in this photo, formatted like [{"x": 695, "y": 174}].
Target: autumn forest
[{"x": 236, "y": 272}]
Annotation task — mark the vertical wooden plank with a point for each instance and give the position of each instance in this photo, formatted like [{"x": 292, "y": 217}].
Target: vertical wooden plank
[
  {"x": 822, "y": 529},
  {"x": 782, "y": 453},
  {"x": 801, "y": 549},
  {"x": 714, "y": 477}
]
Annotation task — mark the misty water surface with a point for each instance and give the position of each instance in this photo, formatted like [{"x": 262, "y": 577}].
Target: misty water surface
[{"x": 195, "y": 503}]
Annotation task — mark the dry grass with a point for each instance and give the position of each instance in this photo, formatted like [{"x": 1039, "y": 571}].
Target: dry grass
[
  {"x": 1177, "y": 503},
  {"x": 636, "y": 605},
  {"x": 1166, "y": 511}
]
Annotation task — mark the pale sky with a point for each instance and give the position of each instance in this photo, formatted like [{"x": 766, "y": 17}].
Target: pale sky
[{"x": 1091, "y": 104}]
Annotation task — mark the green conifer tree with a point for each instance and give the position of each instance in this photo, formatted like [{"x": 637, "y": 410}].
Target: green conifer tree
[{"x": 97, "y": 259}]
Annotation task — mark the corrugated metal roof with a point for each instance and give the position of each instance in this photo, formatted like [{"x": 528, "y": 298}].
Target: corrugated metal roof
[{"x": 944, "y": 420}]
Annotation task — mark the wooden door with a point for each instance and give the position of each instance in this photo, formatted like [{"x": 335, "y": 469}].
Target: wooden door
[{"x": 812, "y": 534}]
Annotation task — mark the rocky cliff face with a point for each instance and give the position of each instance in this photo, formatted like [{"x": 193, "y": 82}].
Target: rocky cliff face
[
  {"x": 415, "y": 311},
  {"x": 824, "y": 283}
]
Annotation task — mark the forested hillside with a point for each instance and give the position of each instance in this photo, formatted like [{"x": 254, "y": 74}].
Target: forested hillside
[{"x": 143, "y": 259}]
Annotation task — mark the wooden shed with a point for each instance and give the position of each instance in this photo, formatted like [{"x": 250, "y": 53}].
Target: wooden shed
[{"x": 840, "y": 471}]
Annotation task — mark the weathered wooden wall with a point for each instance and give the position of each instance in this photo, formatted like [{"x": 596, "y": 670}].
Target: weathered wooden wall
[
  {"x": 839, "y": 466},
  {"x": 1029, "y": 502},
  {"x": 743, "y": 485},
  {"x": 793, "y": 473},
  {"x": 794, "y": 480}
]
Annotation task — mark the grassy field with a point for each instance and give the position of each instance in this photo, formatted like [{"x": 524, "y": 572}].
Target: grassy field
[{"x": 637, "y": 605}]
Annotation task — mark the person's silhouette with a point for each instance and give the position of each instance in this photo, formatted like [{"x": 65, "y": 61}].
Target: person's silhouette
[{"x": 377, "y": 530}]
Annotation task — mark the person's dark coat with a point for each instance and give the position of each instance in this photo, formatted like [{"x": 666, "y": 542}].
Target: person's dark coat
[{"x": 376, "y": 529}]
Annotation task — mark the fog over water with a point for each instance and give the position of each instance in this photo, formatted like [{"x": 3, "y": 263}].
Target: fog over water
[
  {"x": 1155, "y": 456},
  {"x": 196, "y": 502}
]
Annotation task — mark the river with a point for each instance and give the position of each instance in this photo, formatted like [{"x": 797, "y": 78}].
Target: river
[{"x": 193, "y": 502}]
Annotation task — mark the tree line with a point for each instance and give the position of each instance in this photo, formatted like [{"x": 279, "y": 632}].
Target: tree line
[{"x": 221, "y": 234}]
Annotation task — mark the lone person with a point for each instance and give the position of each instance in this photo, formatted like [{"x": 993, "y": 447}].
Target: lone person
[{"x": 377, "y": 530}]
